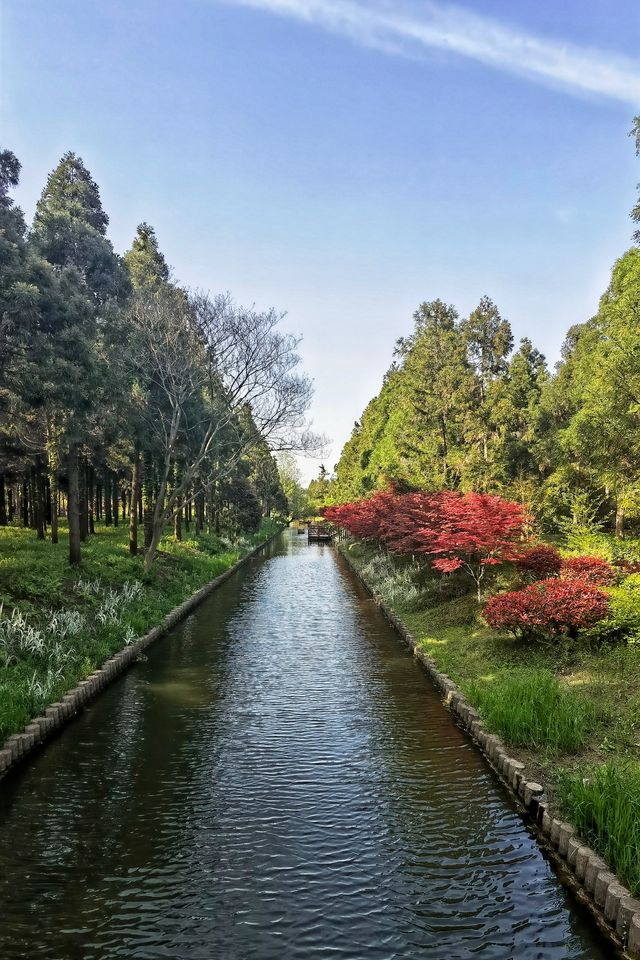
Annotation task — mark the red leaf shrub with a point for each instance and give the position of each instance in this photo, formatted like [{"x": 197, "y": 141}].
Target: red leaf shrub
[
  {"x": 591, "y": 570},
  {"x": 470, "y": 531},
  {"x": 547, "y": 608},
  {"x": 474, "y": 531},
  {"x": 540, "y": 561}
]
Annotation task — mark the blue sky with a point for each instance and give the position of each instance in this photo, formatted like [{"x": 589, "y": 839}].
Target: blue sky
[{"x": 344, "y": 160}]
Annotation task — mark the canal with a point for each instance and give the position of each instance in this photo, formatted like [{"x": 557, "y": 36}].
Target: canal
[{"x": 277, "y": 781}]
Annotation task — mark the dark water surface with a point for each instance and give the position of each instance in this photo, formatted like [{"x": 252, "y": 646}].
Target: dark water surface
[{"x": 278, "y": 781}]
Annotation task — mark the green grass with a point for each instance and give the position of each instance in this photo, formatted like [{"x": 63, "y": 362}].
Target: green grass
[
  {"x": 530, "y": 708},
  {"x": 569, "y": 708},
  {"x": 603, "y": 803},
  {"x": 36, "y": 580}
]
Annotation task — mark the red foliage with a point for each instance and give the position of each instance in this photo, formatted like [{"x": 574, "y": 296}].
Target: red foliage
[
  {"x": 408, "y": 526},
  {"x": 547, "y": 608},
  {"x": 476, "y": 530},
  {"x": 591, "y": 570},
  {"x": 540, "y": 561},
  {"x": 393, "y": 518},
  {"x": 471, "y": 530},
  {"x": 362, "y": 518}
]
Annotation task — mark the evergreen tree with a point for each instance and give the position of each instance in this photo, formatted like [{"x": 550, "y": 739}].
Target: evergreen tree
[
  {"x": 635, "y": 213},
  {"x": 145, "y": 261},
  {"x": 69, "y": 232},
  {"x": 437, "y": 386},
  {"x": 523, "y": 425},
  {"x": 489, "y": 342}
]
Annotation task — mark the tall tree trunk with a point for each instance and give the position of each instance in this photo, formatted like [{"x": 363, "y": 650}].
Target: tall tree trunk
[
  {"x": 199, "y": 505},
  {"x": 48, "y": 513},
  {"x": 133, "y": 509},
  {"x": 82, "y": 500},
  {"x": 177, "y": 516},
  {"x": 115, "y": 493},
  {"x": 177, "y": 520},
  {"x": 157, "y": 522},
  {"x": 91, "y": 499},
  {"x": 11, "y": 505},
  {"x": 38, "y": 498},
  {"x": 3, "y": 503},
  {"x": 53, "y": 486},
  {"x": 32, "y": 499},
  {"x": 107, "y": 499},
  {"x": 25, "y": 503},
  {"x": 53, "y": 469},
  {"x": 73, "y": 507},
  {"x": 619, "y": 521},
  {"x": 210, "y": 511},
  {"x": 147, "y": 497}
]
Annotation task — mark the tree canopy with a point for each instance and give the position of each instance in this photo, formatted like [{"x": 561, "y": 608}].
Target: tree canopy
[{"x": 124, "y": 395}]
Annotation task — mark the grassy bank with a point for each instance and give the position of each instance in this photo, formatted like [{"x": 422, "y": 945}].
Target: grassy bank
[
  {"x": 58, "y": 624},
  {"x": 570, "y": 708}
]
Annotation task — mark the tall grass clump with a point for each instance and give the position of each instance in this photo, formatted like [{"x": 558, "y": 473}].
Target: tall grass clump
[
  {"x": 530, "y": 708},
  {"x": 603, "y": 803}
]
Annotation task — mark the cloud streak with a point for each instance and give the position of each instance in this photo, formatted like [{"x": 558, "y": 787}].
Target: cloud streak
[{"x": 410, "y": 29}]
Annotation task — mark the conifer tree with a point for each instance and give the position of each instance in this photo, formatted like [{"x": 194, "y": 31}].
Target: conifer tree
[{"x": 69, "y": 232}]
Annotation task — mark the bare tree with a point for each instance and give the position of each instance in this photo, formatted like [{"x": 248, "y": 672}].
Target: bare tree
[{"x": 198, "y": 362}]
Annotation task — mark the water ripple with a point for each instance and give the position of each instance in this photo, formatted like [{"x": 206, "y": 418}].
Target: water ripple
[{"x": 278, "y": 782}]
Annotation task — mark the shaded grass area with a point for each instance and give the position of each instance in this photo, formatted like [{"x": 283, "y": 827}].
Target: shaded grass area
[
  {"x": 570, "y": 707},
  {"x": 73, "y": 620}
]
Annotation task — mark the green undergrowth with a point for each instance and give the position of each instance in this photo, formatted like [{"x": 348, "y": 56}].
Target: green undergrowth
[
  {"x": 530, "y": 708},
  {"x": 57, "y": 625},
  {"x": 568, "y": 707},
  {"x": 604, "y": 802}
]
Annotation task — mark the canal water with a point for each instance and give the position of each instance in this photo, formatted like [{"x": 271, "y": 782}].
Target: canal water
[{"x": 278, "y": 781}]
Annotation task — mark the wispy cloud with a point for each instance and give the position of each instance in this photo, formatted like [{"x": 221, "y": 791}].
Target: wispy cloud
[{"x": 409, "y": 28}]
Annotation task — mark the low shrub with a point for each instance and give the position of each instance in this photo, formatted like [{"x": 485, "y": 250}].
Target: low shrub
[
  {"x": 539, "y": 562},
  {"x": 530, "y": 708},
  {"x": 587, "y": 569},
  {"x": 603, "y": 803},
  {"x": 547, "y": 608},
  {"x": 623, "y": 620}
]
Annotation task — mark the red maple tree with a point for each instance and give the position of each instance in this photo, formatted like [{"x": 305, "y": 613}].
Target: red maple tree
[
  {"x": 361, "y": 518},
  {"x": 470, "y": 531},
  {"x": 475, "y": 531}
]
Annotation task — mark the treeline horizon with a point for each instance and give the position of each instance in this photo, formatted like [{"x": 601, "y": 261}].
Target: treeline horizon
[
  {"x": 123, "y": 395},
  {"x": 460, "y": 408}
]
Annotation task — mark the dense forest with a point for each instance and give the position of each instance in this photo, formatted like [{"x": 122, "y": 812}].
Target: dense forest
[
  {"x": 461, "y": 409},
  {"x": 125, "y": 398}
]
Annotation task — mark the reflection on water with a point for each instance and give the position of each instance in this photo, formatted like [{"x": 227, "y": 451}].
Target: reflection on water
[{"x": 278, "y": 781}]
